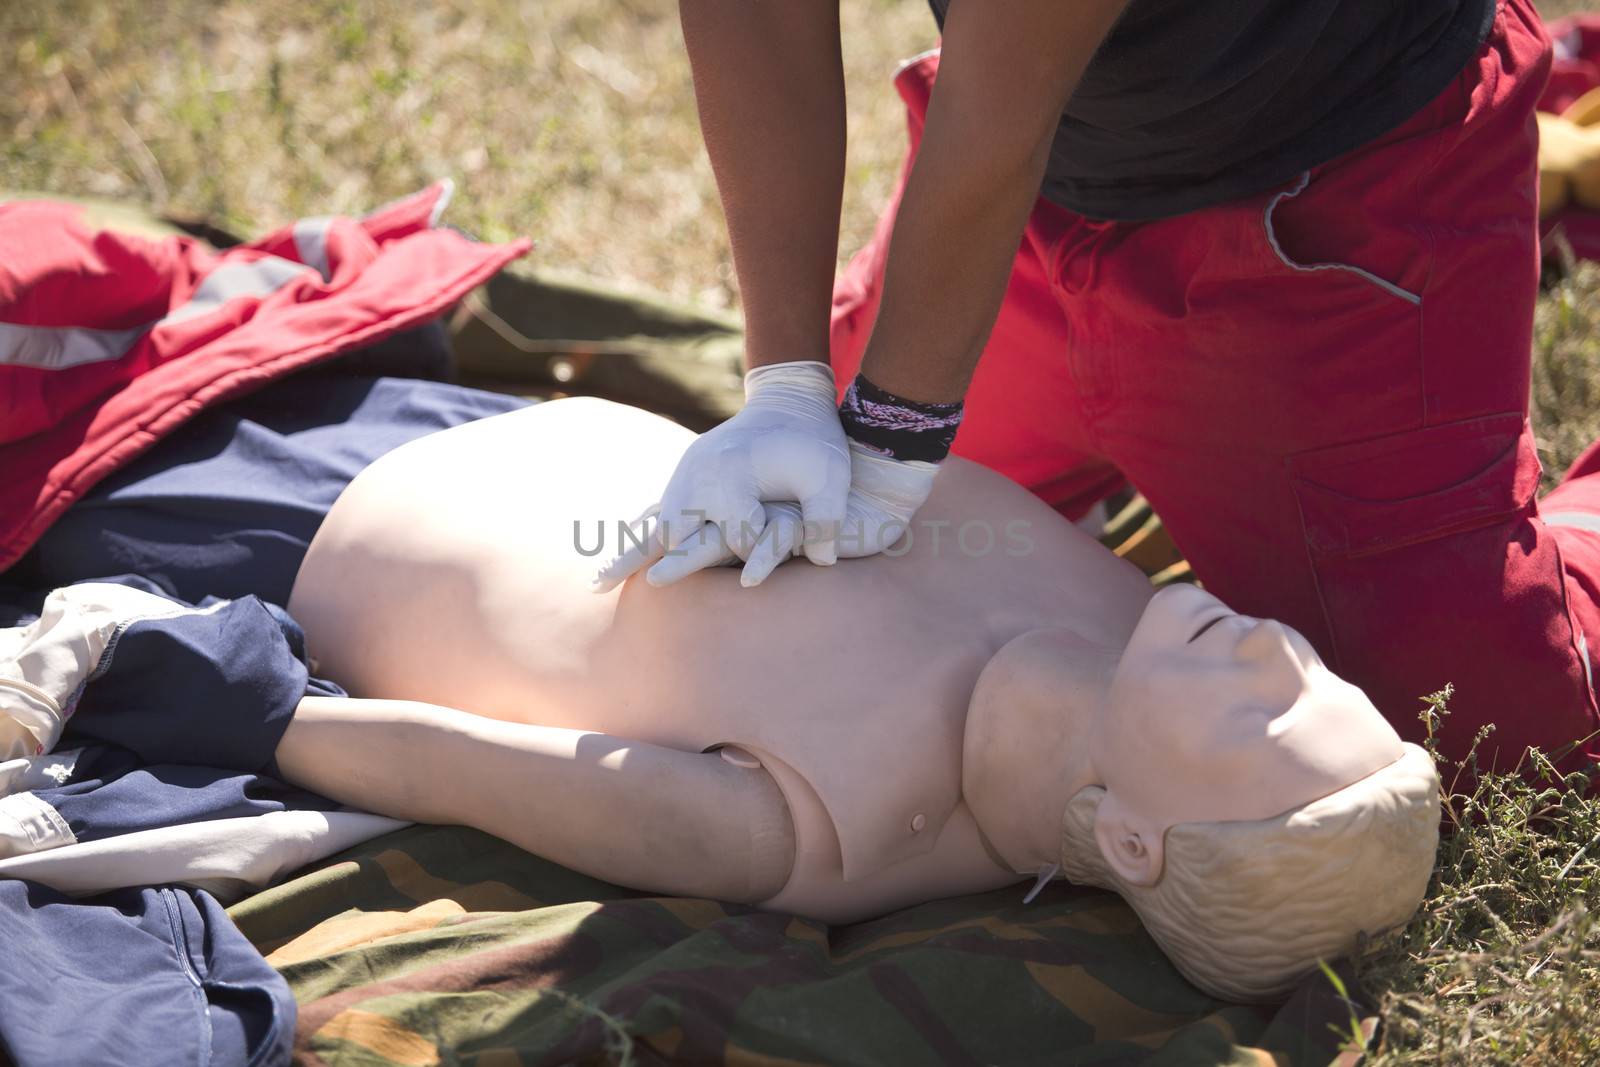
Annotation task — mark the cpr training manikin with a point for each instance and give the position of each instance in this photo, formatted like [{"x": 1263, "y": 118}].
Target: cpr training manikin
[{"x": 996, "y": 699}]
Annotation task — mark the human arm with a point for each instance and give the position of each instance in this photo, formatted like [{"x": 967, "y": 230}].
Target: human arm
[
  {"x": 769, "y": 84},
  {"x": 1006, "y": 71},
  {"x": 1006, "y": 74},
  {"x": 636, "y": 814}
]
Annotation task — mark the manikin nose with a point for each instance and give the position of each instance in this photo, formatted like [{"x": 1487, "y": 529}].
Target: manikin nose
[
  {"x": 1279, "y": 677},
  {"x": 1267, "y": 640}
]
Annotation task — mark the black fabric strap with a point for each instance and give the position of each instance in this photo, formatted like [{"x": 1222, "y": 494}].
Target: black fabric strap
[{"x": 896, "y": 427}]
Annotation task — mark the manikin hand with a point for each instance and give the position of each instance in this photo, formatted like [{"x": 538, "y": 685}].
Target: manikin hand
[
  {"x": 884, "y": 495},
  {"x": 784, "y": 457}
]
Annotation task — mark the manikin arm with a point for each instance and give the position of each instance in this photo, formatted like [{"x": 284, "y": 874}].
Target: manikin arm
[{"x": 653, "y": 818}]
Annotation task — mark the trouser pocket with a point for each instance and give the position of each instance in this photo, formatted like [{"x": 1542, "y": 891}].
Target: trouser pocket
[
  {"x": 1330, "y": 226},
  {"x": 1431, "y": 569}
]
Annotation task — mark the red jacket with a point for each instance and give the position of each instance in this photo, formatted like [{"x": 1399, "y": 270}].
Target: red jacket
[{"x": 108, "y": 341}]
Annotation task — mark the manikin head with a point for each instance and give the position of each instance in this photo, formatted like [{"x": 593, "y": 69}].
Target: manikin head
[{"x": 1255, "y": 809}]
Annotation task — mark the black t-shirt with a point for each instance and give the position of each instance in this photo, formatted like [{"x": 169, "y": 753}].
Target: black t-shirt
[{"x": 1189, "y": 103}]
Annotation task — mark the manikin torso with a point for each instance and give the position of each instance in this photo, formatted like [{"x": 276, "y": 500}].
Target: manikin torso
[{"x": 450, "y": 572}]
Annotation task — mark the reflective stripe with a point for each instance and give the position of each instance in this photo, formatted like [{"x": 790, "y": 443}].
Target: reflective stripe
[
  {"x": 447, "y": 190},
  {"x": 60, "y": 347},
  {"x": 257, "y": 277},
  {"x": 311, "y": 243},
  {"x": 1578, "y": 520},
  {"x": 1588, "y": 672},
  {"x": 911, "y": 61}
]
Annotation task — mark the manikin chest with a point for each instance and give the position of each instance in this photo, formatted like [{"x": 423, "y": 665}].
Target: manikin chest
[
  {"x": 868, "y": 703},
  {"x": 437, "y": 578}
]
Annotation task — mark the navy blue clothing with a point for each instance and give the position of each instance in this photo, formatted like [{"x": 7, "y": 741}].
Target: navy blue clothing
[
  {"x": 215, "y": 687},
  {"x": 135, "y": 976},
  {"x": 180, "y": 718},
  {"x": 109, "y": 794},
  {"x": 1187, "y": 104},
  {"x": 227, "y": 506}
]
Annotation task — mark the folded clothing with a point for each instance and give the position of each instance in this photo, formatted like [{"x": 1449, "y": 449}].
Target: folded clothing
[
  {"x": 106, "y": 792},
  {"x": 109, "y": 342},
  {"x": 119, "y": 663},
  {"x": 123, "y": 711}
]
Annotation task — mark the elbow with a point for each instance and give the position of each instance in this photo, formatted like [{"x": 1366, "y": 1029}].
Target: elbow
[
  {"x": 772, "y": 842},
  {"x": 756, "y": 855},
  {"x": 985, "y": 166}
]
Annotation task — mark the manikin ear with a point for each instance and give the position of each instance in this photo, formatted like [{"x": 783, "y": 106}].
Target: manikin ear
[{"x": 1130, "y": 843}]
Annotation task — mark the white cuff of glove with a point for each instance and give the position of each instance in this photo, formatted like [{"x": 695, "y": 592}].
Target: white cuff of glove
[
  {"x": 885, "y": 495},
  {"x": 804, "y": 386}
]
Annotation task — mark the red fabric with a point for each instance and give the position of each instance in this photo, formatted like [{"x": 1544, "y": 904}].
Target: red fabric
[
  {"x": 1324, "y": 448},
  {"x": 63, "y": 429},
  {"x": 1578, "y": 227},
  {"x": 1575, "y": 66}
]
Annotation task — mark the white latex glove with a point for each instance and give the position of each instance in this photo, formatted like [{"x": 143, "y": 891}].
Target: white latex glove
[
  {"x": 784, "y": 445},
  {"x": 884, "y": 496}
]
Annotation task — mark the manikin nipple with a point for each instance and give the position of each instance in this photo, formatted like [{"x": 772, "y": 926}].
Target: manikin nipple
[{"x": 1045, "y": 874}]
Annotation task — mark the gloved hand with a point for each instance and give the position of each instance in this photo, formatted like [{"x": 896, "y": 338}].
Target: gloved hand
[
  {"x": 884, "y": 495},
  {"x": 785, "y": 444},
  {"x": 786, "y": 447}
]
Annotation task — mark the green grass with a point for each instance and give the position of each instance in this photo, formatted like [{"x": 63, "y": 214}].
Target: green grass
[
  {"x": 1565, "y": 396},
  {"x": 573, "y": 121},
  {"x": 1500, "y": 965}
]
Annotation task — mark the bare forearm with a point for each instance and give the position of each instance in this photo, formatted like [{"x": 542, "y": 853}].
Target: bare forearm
[
  {"x": 770, "y": 88},
  {"x": 1007, "y": 70},
  {"x": 635, "y": 814},
  {"x": 950, "y": 259}
]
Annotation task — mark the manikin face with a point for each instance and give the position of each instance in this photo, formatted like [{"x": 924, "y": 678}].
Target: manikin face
[{"x": 1215, "y": 716}]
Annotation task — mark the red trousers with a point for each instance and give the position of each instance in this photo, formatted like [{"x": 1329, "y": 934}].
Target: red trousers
[{"x": 1323, "y": 390}]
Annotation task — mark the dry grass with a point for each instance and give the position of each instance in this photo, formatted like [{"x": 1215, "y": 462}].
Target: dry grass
[
  {"x": 567, "y": 120},
  {"x": 1566, "y": 368},
  {"x": 1501, "y": 964},
  {"x": 573, "y": 121}
]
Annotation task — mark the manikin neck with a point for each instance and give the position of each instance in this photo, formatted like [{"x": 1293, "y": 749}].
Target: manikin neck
[{"x": 1027, "y": 752}]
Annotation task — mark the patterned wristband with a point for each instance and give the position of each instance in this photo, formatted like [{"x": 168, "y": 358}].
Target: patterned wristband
[{"x": 896, "y": 427}]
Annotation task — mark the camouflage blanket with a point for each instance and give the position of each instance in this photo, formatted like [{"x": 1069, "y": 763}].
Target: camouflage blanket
[{"x": 442, "y": 945}]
